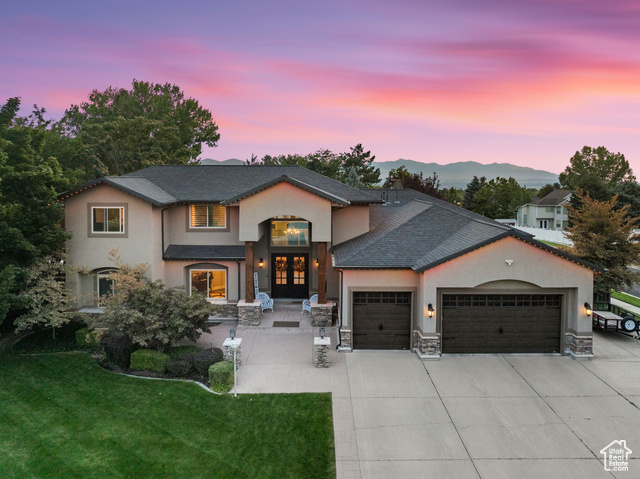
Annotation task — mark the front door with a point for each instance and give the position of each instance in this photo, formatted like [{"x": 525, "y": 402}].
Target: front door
[{"x": 290, "y": 275}]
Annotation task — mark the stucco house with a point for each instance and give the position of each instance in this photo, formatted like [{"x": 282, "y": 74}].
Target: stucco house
[
  {"x": 549, "y": 212},
  {"x": 407, "y": 271}
]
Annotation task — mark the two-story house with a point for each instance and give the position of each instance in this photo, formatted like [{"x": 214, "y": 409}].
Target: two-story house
[
  {"x": 549, "y": 212},
  {"x": 406, "y": 270}
]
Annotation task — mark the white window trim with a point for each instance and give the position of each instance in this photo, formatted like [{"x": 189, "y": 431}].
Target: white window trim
[
  {"x": 226, "y": 284},
  {"x": 191, "y": 225},
  {"x": 122, "y": 216}
]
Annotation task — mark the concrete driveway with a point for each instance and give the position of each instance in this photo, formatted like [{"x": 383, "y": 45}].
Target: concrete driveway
[{"x": 462, "y": 416}]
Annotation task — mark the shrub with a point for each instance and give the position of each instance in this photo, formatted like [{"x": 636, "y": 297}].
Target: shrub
[
  {"x": 179, "y": 351},
  {"x": 179, "y": 367},
  {"x": 149, "y": 359},
  {"x": 221, "y": 376},
  {"x": 89, "y": 340},
  {"x": 205, "y": 358},
  {"x": 118, "y": 349}
]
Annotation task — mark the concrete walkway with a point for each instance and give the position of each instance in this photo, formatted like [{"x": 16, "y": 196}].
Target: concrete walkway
[{"x": 463, "y": 416}]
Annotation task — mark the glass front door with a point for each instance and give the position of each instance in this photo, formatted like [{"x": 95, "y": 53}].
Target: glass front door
[{"x": 290, "y": 275}]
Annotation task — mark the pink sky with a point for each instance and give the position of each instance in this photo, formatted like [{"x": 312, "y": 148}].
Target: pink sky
[{"x": 526, "y": 82}]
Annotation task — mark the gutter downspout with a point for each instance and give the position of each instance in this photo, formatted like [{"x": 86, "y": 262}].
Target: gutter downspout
[
  {"x": 162, "y": 227},
  {"x": 340, "y": 314},
  {"x": 239, "y": 282}
]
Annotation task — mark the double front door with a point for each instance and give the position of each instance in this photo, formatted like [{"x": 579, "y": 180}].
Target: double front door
[{"x": 290, "y": 275}]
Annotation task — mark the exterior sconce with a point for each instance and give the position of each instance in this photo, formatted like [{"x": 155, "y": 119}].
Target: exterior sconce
[
  {"x": 316, "y": 262},
  {"x": 588, "y": 309},
  {"x": 232, "y": 333},
  {"x": 430, "y": 310},
  {"x": 321, "y": 333},
  {"x": 261, "y": 262}
]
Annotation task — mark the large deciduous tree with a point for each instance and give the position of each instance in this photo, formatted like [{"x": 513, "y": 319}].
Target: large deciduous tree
[
  {"x": 499, "y": 198},
  {"x": 604, "y": 235},
  {"x": 598, "y": 162},
  {"x": 151, "y": 124},
  {"x": 30, "y": 216}
]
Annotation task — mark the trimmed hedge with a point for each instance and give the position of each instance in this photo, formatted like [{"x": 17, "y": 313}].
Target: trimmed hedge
[
  {"x": 221, "y": 376},
  {"x": 89, "y": 339},
  {"x": 149, "y": 359},
  {"x": 118, "y": 349},
  {"x": 179, "y": 367},
  {"x": 202, "y": 360}
]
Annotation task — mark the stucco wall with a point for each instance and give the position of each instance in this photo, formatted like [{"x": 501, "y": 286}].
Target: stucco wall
[
  {"x": 177, "y": 231},
  {"x": 280, "y": 200},
  {"x": 531, "y": 268},
  {"x": 349, "y": 222}
]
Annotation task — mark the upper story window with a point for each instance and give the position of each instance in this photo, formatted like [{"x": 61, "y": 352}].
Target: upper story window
[
  {"x": 294, "y": 232},
  {"x": 549, "y": 209},
  {"x": 208, "y": 216},
  {"x": 107, "y": 219}
]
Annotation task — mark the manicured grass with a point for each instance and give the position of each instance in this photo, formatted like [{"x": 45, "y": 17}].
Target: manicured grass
[
  {"x": 61, "y": 415},
  {"x": 627, "y": 298},
  {"x": 550, "y": 243}
]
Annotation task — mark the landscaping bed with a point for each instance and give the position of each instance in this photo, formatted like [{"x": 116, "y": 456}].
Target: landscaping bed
[{"x": 65, "y": 416}]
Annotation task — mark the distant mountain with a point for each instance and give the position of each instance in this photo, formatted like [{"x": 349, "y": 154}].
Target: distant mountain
[
  {"x": 231, "y": 161},
  {"x": 460, "y": 174},
  {"x": 457, "y": 175}
]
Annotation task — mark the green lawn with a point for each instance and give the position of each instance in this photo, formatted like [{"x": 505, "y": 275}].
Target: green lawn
[
  {"x": 63, "y": 416},
  {"x": 627, "y": 298}
]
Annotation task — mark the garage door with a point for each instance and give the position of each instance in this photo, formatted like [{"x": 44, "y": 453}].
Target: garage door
[
  {"x": 501, "y": 323},
  {"x": 381, "y": 320}
]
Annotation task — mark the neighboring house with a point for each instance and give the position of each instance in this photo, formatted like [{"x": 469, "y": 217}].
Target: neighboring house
[
  {"x": 407, "y": 271},
  {"x": 549, "y": 213}
]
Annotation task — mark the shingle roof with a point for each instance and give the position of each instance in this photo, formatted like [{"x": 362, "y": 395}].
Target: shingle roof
[
  {"x": 419, "y": 232},
  {"x": 169, "y": 184},
  {"x": 203, "y": 252},
  {"x": 554, "y": 198}
]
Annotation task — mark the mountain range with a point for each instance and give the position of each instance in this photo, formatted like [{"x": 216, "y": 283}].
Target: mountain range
[{"x": 456, "y": 175}]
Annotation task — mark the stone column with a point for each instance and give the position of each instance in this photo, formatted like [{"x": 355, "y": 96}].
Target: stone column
[
  {"x": 228, "y": 346},
  {"x": 322, "y": 272},
  {"x": 249, "y": 294},
  {"x": 321, "y": 347}
]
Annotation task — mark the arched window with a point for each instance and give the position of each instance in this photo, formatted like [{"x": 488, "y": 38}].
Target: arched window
[
  {"x": 105, "y": 286},
  {"x": 211, "y": 282}
]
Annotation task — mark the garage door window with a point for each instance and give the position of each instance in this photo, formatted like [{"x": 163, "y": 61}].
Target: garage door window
[
  {"x": 501, "y": 300},
  {"x": 381, "y": 298}
]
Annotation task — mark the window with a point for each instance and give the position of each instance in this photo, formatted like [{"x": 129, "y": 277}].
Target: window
[
  {"x": 548, "y": 209},
  {"x": 211, "y": 283},
  {"x": 105, "y": 287},
  {"x": 208, "y": 216},
  {"x": 289, "y": 233},
  {"x": 559, "y": 210},
  {"x": 544, "y": 224},
  {"x": 524, "y": 220},
  {"x": 107, "y": 219}
]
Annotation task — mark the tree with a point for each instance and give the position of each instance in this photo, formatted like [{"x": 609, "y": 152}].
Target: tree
[
  {"x": 151, "y": 124},
  {"x": 453, "y": 196},
  {"x": 44, "y": 299},
  {"x": 148, "y": 313},
  {"x": 353, "y": 179},
  {"x": 500, "y": 197},
  {"x": 416, "y": 181},
  {"x": 361, "y": 162},
  {"x": 30, "y": 216},
  {"x": 605, "y": 236},
  {"x": 598, "y": 162},
  {"x": 475, "y": 185}
]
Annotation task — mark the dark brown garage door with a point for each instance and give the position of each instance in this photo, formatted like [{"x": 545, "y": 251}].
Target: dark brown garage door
[
  {"x": 501, "y": 323},
  {"x": 381, "y": 320}
]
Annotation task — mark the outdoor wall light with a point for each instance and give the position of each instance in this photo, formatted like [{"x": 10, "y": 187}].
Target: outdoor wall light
[
  {"x": 316, "y": 262},
  {"x": 261, "y": 262},
  {"x": 321, "y": 332},
  {"x": 588, "y": 309},
  {"x": 232, "y": 333},
  {"x": 430, "y": 310}
]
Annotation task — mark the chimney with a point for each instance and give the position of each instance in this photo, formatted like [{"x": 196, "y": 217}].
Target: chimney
[{"x": 396, "y": 184}]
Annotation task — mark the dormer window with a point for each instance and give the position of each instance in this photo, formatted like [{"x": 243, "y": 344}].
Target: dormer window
[{"x": 208, "y": 216}]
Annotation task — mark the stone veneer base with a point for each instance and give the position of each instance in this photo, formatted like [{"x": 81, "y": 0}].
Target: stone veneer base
[
  {"x": 249, "y": 314},
  {"x": 321, "y": 314},
  {"x": 345, "y": 341},
  {"x": 578, "y": 346},
  {"x": 426, "y": 347}
]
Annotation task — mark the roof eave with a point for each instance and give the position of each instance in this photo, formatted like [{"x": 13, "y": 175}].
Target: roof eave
[{"x": 108, "y": 182}]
